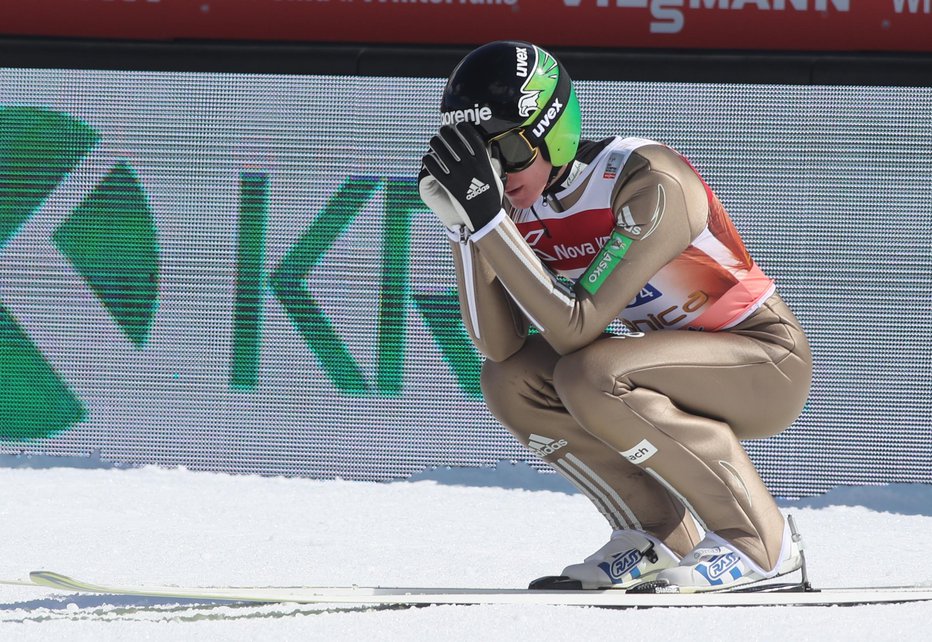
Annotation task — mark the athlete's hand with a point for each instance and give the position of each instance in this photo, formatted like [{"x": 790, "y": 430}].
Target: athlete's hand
[
  {"x": 459, "y": 181},
  {"x": 438, "y": 199}
]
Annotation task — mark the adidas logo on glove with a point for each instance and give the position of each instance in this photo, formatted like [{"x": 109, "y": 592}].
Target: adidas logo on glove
[{"x": 476, "y": 187}]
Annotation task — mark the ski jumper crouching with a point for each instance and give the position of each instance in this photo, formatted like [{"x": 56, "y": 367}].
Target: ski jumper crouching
[{"x": 647, "y": 422}]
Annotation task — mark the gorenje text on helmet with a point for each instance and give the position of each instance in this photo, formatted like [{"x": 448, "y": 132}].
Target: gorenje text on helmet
[{"x": 476, "y": 115}]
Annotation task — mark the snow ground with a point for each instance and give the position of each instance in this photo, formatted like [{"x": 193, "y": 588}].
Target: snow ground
[{"x": 173, "y": 526}]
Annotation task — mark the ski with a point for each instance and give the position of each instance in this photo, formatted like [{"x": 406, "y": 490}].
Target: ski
[{"x": 780, "y": 595}]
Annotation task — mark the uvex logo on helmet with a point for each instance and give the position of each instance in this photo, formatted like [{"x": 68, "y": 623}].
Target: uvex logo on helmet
[
  {"x": 521, "y": 63},
  {"x": 475, "y": 115},
  {"x": 548, "y": 119}
]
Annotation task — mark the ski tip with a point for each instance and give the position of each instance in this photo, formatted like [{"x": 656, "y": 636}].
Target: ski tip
[
  {"x": 53, "y": 580},
  {"x": 34, "y": 575}
]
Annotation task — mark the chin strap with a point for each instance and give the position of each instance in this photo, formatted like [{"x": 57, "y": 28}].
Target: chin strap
[
  {"x": 551, "y": 180},
  {"x": 552, "y": 184},
  {"x": 553, "y": 170}
]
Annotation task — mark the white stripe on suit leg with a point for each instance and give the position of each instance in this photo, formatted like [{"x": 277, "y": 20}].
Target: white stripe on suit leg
[
  {"x": 632, "y": 519},
  {"x": 593, "y": 493}
]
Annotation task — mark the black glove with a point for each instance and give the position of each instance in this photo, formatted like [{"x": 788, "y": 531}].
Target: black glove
[{"x": 466, "y": 183}]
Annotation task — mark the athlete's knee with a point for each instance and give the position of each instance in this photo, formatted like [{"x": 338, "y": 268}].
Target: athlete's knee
[{"x": 586, "y": 372}]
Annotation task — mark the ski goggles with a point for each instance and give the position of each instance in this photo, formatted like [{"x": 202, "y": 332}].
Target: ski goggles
[{"x": 513, "y": 150}]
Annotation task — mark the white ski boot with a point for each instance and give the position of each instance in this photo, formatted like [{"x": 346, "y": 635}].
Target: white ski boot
[
  {"x": 629, "y": 557},
  {"x": 716, "y": 565}
]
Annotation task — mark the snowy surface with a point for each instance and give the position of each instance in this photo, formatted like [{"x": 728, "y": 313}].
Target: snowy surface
[{"x": 158, "y": 526}]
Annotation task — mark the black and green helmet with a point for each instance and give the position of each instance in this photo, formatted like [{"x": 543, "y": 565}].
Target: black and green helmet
[{"x": 507, "y": 85}]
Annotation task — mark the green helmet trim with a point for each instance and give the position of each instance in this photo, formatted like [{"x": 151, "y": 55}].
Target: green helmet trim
[{"x": 554, "y": 121}]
